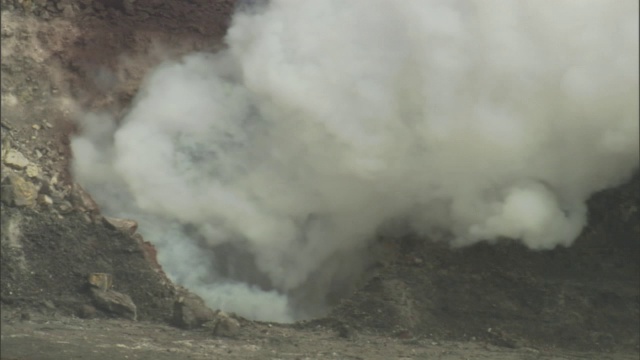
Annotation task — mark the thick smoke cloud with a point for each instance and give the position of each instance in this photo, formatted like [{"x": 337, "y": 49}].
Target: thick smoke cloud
[{"x": 262, "y": 172}]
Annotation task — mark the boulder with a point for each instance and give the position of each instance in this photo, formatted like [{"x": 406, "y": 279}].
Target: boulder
[
  {"x": 126, "y": 226},
  {"x": 190, "y": 311},
  {"x": 115, "y": 303},
  {"x": 225, "y": 325},
  {"x": 17, "y": 191}
]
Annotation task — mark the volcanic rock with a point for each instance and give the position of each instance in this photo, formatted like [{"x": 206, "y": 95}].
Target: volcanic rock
[
  {"x": 65, "y": 207},
  {"x": 15, "y": 159},
  {"x": 32, "y": 170},
  {"x": 225, "y": 325},
  {"x": 17, "y": 191},
  {"x": 102, "y": 281},
  {"x": 5, "y": 146},
  {"x": 114, "y": 302},
  {"x": 190, "y": 311},
  {"x": 45, "y": 200},
  {"x": 124, "y": 225},
  {"x": 82, "y": 199}
]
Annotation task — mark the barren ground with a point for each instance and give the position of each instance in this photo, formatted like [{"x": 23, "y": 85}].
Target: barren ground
[{"x": 425, "y": 301}]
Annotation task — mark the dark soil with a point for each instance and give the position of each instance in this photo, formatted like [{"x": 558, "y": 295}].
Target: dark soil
[
  {"x": 52, "y": 258},
  {"x": 585, "y": 297}
]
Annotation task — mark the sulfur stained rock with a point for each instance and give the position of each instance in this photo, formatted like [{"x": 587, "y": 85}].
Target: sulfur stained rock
[
  {"x": 102, "y": 281},
  {"x": 32, "y": 170},
  {"x": 17, "y": 191},
  {"x": 13, "y": 158}
]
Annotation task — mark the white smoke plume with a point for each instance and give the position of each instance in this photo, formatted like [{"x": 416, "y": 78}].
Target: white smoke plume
[{"x": 263, "y": 171}]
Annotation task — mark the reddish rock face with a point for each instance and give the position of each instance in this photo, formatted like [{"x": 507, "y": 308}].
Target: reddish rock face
[{"x": 149, "y": 252}]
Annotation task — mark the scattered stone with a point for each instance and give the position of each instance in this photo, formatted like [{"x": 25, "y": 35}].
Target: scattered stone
[
  {"x": 225, "y": 325},
  {"x": 500, "y": 338},
  {"x": 102, "y": 281},
  {"x": 45, "y": 200},
  {"x": 416, "y": 261},
  {"x": 87, "y": 312},
  {"x": 88, "y": 219},
  {"x": 49, "y": 304},
  {"x": 32, "y": 170},
  {"x": 65, "y": 207},
  {"x": 6, "y": 145},
  {"x": 81, "y": 198},
  {"x": 114, "y": 302},
  {"x": 36, "y": 127},
  {"x": 45, "y": 122},
  {"x": 46, "y": 188},
  {"x": 125, "y": 225},
  {"x": 345, "y": 331},
  {"x": 5, "y": 123},
  {"x": 17, "y": 191},
  {"x": 190, "y": 311},
  {"x": 15, "y": 159}
]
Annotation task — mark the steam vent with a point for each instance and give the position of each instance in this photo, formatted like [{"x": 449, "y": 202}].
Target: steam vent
[{"x": 284, "y": 179}]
